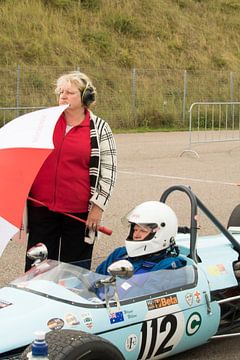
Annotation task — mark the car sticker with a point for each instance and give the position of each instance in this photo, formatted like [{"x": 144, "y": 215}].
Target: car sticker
[
  {"x": 162, "y": 302},
  {"x": 189, "y": 299},
  {"x": 126, "y": 286},
  {"x": 197, "y": 296},
  {"x": 22, "y": 285},
  {"x": 71, "y": 320},
  {"x": 160, "y": 335},
  {"x": 129, "y": 314},
  {"x": 131, "y": 342},
  {"x": 4, "y": 303},
  {"x": 216, "y": 270},
  {"x": 116, "y": 317},
  {"x": 193, "y": 323},
  {"x": 55, "y": 324},
  {"x": 87, "y": 320}
]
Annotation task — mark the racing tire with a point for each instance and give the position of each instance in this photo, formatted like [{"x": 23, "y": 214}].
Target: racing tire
[
  {"x": 78, "y": 345},
  {"x": 234, "y": 219}
]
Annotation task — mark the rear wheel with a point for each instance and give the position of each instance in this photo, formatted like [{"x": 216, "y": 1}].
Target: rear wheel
[
  {"x": 78, "y": 345},
  {"x": 234, "y": 219}
]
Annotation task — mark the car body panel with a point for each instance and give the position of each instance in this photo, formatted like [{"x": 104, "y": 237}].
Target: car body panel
[
  {"x": 217, "y": 256},
  {"x": 167, "y": 319}
]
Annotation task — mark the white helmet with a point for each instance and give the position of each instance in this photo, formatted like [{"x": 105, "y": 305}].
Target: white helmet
[{"x": 162, "y": 221}]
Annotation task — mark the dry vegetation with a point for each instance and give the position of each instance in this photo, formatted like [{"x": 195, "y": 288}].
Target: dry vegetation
[{"x": 111, "y": 37}]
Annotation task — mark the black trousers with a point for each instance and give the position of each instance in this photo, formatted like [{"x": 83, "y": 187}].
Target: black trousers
[{"x": 62, "y": 235}]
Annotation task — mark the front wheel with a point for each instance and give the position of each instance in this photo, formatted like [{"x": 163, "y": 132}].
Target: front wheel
[{"x": 78, "y": 345}]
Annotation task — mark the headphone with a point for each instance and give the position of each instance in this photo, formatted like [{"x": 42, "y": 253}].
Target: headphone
[{"x": 88, "y": 95}]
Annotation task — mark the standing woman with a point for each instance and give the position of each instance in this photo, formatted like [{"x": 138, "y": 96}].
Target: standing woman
[{"x": 77, "y": 177}]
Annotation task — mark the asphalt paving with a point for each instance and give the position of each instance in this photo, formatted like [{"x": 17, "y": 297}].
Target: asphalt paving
[{"x": 148, "y": 164}]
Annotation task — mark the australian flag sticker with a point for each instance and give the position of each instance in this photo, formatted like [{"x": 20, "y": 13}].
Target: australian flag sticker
[{"x": 116, "y": 317}]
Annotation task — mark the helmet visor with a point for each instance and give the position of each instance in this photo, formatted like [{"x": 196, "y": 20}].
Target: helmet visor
[{"x": 139, "y": 232}]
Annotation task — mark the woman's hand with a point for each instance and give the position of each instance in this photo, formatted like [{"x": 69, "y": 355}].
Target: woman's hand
[{"x": 94, "y": 217}]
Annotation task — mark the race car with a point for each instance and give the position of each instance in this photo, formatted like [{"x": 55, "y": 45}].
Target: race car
[{"x": 151, "y": 316}]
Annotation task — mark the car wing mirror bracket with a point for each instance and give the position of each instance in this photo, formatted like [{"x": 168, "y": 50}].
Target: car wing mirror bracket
[{"x": 123, "y": 269}]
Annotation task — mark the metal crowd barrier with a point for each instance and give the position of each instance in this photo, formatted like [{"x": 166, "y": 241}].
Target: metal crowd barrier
[{"x": 213, "y": 122}]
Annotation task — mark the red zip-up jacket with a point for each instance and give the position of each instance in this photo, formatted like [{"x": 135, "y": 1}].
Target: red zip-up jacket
[{"x": 63, "y": 182}]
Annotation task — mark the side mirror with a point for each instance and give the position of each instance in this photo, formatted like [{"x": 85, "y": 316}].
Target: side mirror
[
  {"x": 122, "y": 268},
  {"x": 39, "y": 252}
]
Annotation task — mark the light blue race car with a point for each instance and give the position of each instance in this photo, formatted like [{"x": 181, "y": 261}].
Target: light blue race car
[{"x": 146, "y": 316}]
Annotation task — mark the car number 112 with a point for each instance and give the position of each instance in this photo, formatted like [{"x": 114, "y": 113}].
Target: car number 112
[{"x": 160, "y": 335}]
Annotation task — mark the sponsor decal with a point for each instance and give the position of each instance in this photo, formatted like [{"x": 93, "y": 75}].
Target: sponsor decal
[
  {"x": 189, "y": 299},
  {"x": 197, "y": 296},
  {"x": 135, "y": 217},
  {"x": 131, "y": 342},
  {"x": 216, "y": 270},
  {"x": 162, "y": 302},
  {"x": 4, "y": 303},
  {"x": 55, "y": 324},
  {"x": 71, "y": 320},
  {"x": 87, "y": 320},
  {"x": 129, "y": 314},
  {"x": 116, "y": 317},
  {"x": 193, "y": 323}
]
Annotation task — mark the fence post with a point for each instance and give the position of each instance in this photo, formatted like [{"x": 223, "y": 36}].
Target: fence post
[
  {"x": 134, "y": 96},
  {"x": 18, "y": 90},
  {"x": 184, "y": 95},
  {"x": 231, "y": 86},
  {"x": 232, "y": 97}
]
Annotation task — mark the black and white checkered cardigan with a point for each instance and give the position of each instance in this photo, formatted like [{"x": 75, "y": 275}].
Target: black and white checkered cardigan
[{"x": 103, "y": 161}]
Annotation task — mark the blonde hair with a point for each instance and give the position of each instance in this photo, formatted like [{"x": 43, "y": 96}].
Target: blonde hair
[{"x": 77, "y": 78}]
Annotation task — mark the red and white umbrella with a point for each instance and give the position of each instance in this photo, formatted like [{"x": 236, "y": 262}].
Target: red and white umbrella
[{"x": 25, "y": 143}]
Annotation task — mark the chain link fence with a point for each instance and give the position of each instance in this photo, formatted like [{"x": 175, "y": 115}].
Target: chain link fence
[{"x": 126, "y": 98}]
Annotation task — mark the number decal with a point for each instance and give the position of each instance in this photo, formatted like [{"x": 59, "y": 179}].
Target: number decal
[
  {"x": 159, "y": 335},
  {"x": 173, "y": 326},
  {"x": 144, "y": 339},
  {"x": 154, "y": 325}
]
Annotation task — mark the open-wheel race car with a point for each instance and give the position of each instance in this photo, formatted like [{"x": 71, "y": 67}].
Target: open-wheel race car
[{"x": 159, "y": 314}]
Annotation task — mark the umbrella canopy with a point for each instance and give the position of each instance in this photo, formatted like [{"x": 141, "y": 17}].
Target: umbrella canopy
[{"x": 25, "y": 143}]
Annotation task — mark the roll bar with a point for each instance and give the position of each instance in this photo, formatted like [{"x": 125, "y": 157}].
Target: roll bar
[{"x": 195, "y": 203}]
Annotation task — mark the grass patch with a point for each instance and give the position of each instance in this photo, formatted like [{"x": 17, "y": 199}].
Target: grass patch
[{"x": 107, "y": 39}]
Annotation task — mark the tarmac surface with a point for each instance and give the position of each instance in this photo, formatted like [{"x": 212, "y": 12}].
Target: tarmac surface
[{"x": 148, "y": 164}]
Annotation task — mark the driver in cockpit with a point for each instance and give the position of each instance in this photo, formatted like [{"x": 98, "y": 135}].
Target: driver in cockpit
[{"x": 150, "y": 245}]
